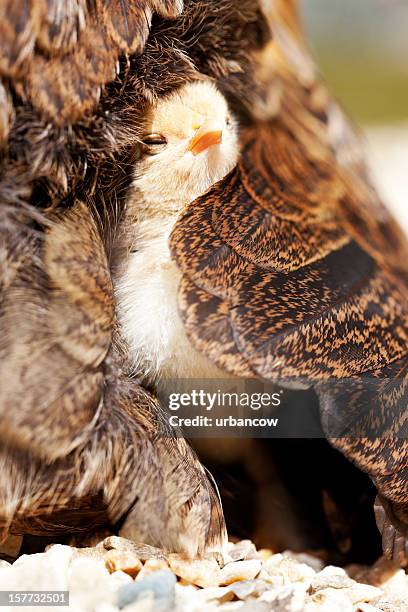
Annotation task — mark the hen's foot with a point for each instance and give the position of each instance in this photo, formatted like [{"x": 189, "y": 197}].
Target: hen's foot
[{"x": 394, "y": 533}]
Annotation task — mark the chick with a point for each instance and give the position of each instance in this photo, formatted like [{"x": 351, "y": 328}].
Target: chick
[{"x": 191, "y": 143}]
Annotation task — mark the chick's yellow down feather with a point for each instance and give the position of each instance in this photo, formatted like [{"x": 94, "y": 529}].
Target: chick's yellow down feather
[{"x": 191, "y": 143}]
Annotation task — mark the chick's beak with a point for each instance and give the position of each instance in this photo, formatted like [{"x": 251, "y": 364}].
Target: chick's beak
[{"x": 209, "y": 134}]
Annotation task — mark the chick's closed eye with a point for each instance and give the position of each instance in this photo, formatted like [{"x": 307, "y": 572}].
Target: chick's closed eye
[{"x": 153, "y": 143}]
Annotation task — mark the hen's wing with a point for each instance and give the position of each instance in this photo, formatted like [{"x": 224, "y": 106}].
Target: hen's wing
[
  {"x": 267, "y": 258},
  {"x": 294, "y": 269},
  {"x": 323, "y": 128}
]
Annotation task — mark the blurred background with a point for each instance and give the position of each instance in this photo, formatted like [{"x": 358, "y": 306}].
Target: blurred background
[{"x": 362, "y": 49}]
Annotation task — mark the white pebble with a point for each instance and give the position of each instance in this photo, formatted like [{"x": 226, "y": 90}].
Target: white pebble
[
  {"x": 220, "y": 594},
  {"x": 243, "y": 550},
  {"x": 363, "y": 593},
  {"x": 289, "y": 569},
  {"x": 331, "y": 577},
  {"x": 88, "y": 584},
  {"x": 202, "y": 572},
  {"x": 290, "y": 598},
  {"x": 41, "y": 571},
  {"x": 118, "y": 579},
  {"x": 239, "y": 570},
  {"x": 248, "y": 588},
  {"x": 330, "y": 600},
  {"x": 4, "y": 564},
  {"x": 313, "y": 562},
  {"x": 396, "y": 587}
]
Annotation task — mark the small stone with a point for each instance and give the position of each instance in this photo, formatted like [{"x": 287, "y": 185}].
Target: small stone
[
  {"x": 152, "y": 565},
  {"x": 41, "y": 571},
  {"x": 331, "y": 600},
  {"x": 188, "y": 600},
  {"x": 220, "y": 594},
  {"x": 118, "y": 560},
  {"x": 363, "y": 593},
  {"x": 4, "y": 564},
  {"x": 276, "y": 581},
  {"x": 290, "y": 598},
  {"x": 118, "y": 579},
  {"x": 202, "y": 572},
  {"x": 289, "y": 569},
  {"x": 331, "y": 577},
  {"x": 142, "y": 551},
  {"x": 313, "y": 562},
  {"x": 161, "y": 584},
  {"x": 60, "y": 555},
  {"x": 243, "y": 550},
  {"x": 264, "y": 554},
  {"x": 88, "y": 584},
  {"x": 244, "y": 589},
  {"x": 239, "y": 570},
  {"x": 396, "y": 588},
  {"x": 88, "y": 553},
  {"x": 146, "y": 603}
]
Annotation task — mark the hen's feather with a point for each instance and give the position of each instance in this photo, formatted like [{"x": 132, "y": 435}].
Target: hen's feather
[
  {"x": 295, "y": 263},
  {"x": 74, "y": 89},
  {"x": 60, "y": 54},
  {"x": 84, "y": 445}
]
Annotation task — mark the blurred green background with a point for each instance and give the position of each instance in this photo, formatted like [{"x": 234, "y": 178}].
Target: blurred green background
[{"x": 362, "y": 49}]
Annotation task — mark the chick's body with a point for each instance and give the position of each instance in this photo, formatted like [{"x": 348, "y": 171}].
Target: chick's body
[{"x": 191, "y": 143}]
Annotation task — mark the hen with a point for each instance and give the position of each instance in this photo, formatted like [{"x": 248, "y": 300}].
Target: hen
[{"x": 300, "y": 271}]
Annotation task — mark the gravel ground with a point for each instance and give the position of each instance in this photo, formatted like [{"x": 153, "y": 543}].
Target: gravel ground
[{"x": 117, "y": 575}]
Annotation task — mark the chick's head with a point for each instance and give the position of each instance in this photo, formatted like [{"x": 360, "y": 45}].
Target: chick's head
[{"x": 190, "y": 143}]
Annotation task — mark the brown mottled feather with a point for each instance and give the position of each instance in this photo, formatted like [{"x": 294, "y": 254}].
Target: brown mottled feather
[
  {"x": 130, "y": 469},
  {"x": 270, "y": 266},
  {"x": 45, "y": 42},
  {"x": 61, "y": 325},
  {"x": 296, "y": 262},
  {"x": 84, "y": 445},
  {"x": 318, "y": 122},
  {"x": 61, "y": 24},
  {"x": 290, "y": 324},
  {"x": 6, "y": 115},
  {"x": 127, "y": 24},
  {"x": 79, "y": 100}
]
